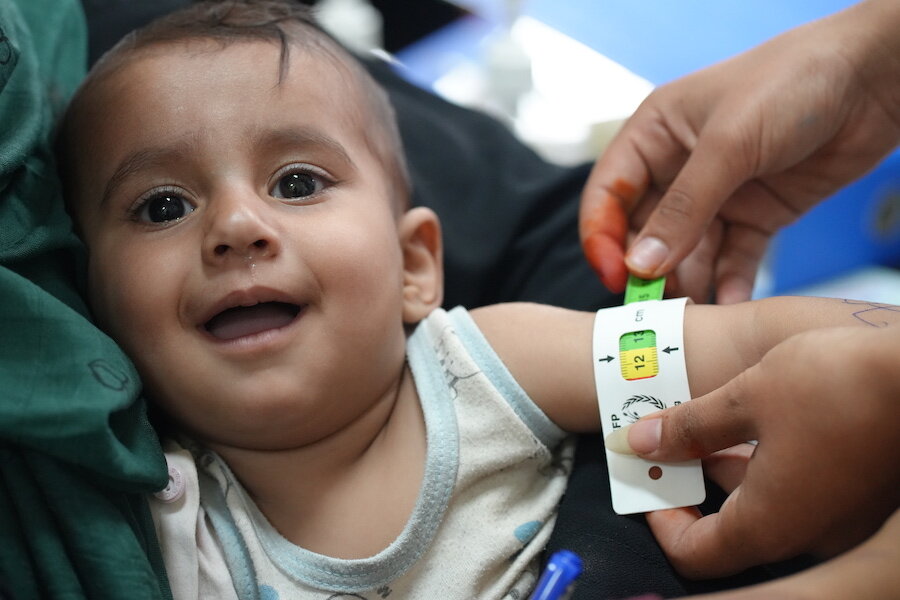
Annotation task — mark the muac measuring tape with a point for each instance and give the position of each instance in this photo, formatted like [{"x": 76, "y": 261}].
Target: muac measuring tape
[{"x": 639, "y": 368}]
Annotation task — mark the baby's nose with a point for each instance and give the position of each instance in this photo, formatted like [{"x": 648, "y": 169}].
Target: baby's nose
[{"x": 241, "y": 229}]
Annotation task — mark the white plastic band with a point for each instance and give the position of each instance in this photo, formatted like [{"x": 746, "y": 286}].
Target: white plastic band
[{"x": 639, "y": 485}]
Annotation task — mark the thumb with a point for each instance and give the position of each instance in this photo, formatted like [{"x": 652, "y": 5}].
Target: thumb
[
  {"x": 694, "y": 429},
  {"x": 707, "y": 179}
]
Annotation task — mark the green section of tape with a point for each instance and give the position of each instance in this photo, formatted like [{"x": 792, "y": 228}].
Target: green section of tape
[
  {"x": 639, "y": 290},
  {"x": 637, "y": 340}
]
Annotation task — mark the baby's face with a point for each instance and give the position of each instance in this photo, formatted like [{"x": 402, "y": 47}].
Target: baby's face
[{"x": 243, "y": 249}]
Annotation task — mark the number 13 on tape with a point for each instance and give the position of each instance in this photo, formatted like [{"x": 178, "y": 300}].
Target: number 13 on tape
[{"x": 639, "y": 369}]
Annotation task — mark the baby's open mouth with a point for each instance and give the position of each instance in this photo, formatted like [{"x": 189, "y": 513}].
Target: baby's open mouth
[{"x": 242, "y": 321}]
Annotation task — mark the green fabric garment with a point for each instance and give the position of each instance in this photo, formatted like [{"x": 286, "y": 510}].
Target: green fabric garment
[{"x": 77, "y": 454}]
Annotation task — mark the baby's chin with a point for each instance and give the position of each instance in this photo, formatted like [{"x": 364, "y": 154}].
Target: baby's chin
[{"x": 253, "y": 424}]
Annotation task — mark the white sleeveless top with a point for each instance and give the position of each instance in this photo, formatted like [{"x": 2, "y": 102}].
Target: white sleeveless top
[{"x": 496, "y": 468}]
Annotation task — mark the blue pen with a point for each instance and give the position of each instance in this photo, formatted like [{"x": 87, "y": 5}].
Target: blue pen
[{"x": 558, "y": 579}]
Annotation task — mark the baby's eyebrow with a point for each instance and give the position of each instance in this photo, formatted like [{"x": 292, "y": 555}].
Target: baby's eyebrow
[
  {"x": 301, "y": 137},
  {"x": 143, "y": 159}
]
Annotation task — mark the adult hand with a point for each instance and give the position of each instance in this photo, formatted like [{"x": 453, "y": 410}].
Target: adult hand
[
  {"x": 711, "y": 165},
  {"x": 824, "y": 476},
  {"x": 869, "y": 571}
]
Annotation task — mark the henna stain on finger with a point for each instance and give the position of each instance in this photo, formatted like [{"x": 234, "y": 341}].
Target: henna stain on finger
[
  {"x": 604, "y": 230},
  {"x": 603, "y": 233},
  {"x": 624, "y": 190}
]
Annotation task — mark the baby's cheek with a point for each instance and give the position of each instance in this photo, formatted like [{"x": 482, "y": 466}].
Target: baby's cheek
[
  {"x": 100, "y": 296},
  {"x": 368, "y": 258},
  {"x": 115, "y": 300}
]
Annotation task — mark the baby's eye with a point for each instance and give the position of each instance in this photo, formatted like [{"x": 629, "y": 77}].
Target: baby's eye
[
  {"x": 298, "y": 184},
  {"x": 163, "y": 208}
]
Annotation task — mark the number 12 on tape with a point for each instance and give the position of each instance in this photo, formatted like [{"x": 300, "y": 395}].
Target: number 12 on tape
[{"x": 639, "y": 369}]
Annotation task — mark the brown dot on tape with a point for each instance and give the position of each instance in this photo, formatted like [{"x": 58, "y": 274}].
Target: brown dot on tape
[{"x": 655, "y": 472}]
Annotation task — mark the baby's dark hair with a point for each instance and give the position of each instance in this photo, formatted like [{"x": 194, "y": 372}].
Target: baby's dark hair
[
  {"x": 285, "y": 22},
  {"x": 288, "y": 23}
]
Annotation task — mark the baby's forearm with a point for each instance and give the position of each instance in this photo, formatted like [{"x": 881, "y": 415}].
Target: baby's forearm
[{"x": 722, "y": 341}]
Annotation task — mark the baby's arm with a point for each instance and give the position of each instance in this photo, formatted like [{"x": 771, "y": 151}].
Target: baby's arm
[{"x": 548, "y": 349}]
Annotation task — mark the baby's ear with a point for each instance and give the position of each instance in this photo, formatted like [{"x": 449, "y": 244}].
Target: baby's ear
[{"x": 423, "y": 270}]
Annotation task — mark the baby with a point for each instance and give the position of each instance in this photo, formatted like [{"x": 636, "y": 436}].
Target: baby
[{"x": 239, "y": 182}]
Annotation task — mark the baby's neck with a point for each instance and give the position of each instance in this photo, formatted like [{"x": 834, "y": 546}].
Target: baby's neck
[{"x": 350, "y": 494}]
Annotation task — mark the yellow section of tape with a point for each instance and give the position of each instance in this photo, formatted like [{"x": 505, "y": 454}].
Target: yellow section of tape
[{"x": 639, "y": 363}]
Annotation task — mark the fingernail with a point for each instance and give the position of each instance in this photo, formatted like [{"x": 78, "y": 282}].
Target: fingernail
[
  {"x": 644, "y": 435},
  {"x": 617, "y": 441},
  {"x": 647, "y": 255}
]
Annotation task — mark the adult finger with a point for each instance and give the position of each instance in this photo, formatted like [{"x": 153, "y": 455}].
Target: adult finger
[
  {"x": 727, "y": 468},
  {"x": 867, "y": 571},
  {"x": 695, "y": 273},
  {"x": 712, "y": 172},
  {"x": 618, "y": 178},
  {"x": 752, "y": 216},
  {"x": 739, "y": 258},
  {"x": 643, "y": 153},
  {"x": 603, "y": 227},
  {"x": 694, "y": 429},
  {"x": 718, "y": 544}
]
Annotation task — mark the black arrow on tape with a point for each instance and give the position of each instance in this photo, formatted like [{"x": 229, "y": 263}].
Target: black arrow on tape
[
  {"x": 668, "y": 349},
  {"x": 607, "y": 359}
]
